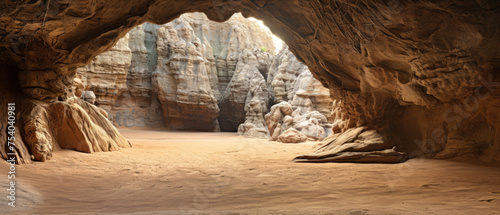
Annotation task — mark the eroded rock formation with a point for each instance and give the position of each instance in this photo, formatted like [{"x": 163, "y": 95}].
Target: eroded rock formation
[
  {"x": 283, "y": 72},
  {"x": 246, "y": 81},
  {"x": 71, "y": 124},
  {"x": 300, "y": 117},
  {"x": 106, "y": 75},
  {"x": 119, "y": 80},
  {"x": 138, "y": 105},
  {"x": 255, "y": 107},
  {"x": 292, "y": 135},
  {"x": 307, "y": 87},
  {"x": 182, "y": 80},
  {"x": 231, "y": 38},
  {"x": 279, "y": 119},
  {"x": 248, "y": 78},
  {"x": 149, "y": 84},
  {"x": 424, "y": 73},
  {"x": 304, "y": 105}
]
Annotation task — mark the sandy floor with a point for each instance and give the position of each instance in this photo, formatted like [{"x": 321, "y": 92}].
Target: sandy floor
[{"x": 221, "y": 173}]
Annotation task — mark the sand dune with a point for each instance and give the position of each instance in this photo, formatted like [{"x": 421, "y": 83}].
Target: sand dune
[{"x": 221, "y": 173}]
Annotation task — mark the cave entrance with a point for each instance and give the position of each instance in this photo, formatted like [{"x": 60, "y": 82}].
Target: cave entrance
[{"x": 201, "y": 75}]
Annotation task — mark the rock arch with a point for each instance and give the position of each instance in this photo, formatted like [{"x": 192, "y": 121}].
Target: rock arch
[{"x": 423, "y": 73}]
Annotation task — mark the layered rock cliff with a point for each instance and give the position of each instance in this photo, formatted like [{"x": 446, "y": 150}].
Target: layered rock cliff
[
  {"x": 182, "y": 79},
  {"x": 424, "y": 74},
  {"x": 139, "y": 105},
  {"x": 185, "y": 82},
  {"x": 119, "y": 80},
  {"x": 180, "y": 71},
  {"x": 228, "y": 47},
  {"x": 284, "y": 70}
]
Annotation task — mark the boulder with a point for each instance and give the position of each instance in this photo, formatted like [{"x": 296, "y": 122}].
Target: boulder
[
  {"x": 292, "y": 135},
  {"x": 280, "y": 115}
]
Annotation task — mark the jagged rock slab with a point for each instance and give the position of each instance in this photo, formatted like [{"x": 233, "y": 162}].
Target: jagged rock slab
[{"x": 356, "y": 145}]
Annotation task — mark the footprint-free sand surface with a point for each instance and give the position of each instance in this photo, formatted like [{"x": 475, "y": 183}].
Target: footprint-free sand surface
[{"x": 222, "y": 173}]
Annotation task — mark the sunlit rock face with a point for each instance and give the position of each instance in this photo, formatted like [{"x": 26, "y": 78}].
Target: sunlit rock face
[
  {"x": 150, "y": 90},
  {"x": 283, "y": 72},
  {"x": 279, "y": 119},
  {"x": 306, "y": 86},
  {"x": 432, "y": 63},
  {"x": 299, "y": 116},
  {"x": 200, "y": 26},
  {"x": 232, "y": 37},
  {"x": 228, "y": 47},
  {"x": 182, "y": 81},
  {"x": 120, "y": 80},
  {"x": 224, "y": 42},
  {"x": 255, "y": 108},
  {"x": 138, "y": 105}
]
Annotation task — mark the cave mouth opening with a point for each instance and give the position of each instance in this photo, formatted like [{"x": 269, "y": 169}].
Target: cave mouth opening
[
  {"x": 196, "y": 74},
  {"x": 256, "y": 177}
]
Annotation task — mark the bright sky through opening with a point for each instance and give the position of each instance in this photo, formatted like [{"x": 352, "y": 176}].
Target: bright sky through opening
[{"x": 278, "y": 43}]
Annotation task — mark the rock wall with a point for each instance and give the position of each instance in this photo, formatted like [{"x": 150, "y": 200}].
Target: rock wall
[
  {"x": 163, "y": 78},
  {"x": 232, "y": 37},
  {"x": 182, "y": 79},
  {"x": 229, "y": 45},
  {"x": 120, "y": 80},
  {"x": 41, "y": 127},
  {"x": 255, "y": 108},
  {"x": 283, "y": 72},
  {"x": 246, "y": 86},
  {"x": 138, "y": 105},
  {"x": 307, "y": 87},
  {"x": 186, "y": 80},
  {"x": 432, "y": 63}
]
